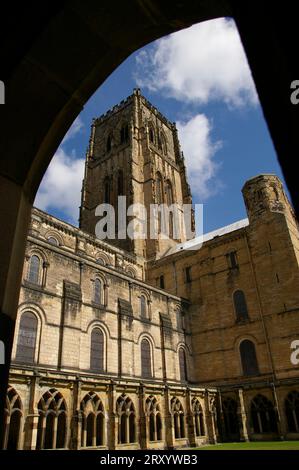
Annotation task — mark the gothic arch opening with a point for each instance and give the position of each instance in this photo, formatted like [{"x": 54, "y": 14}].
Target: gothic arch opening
[
  {"x": 198, "y": 418},
  {"x": 126, "y": 420},
  {"x": 231, "y": 419},
  {"x": 292, "y": 411},
  {"x": 93, "y": 421},
  {"x": 178, "y": 416},
  {"x": 263, "y": 415},
  {"x": 154, "y": 419},
  {"x": 52, "y": 423},
  {"x": 13, "y": 420}
]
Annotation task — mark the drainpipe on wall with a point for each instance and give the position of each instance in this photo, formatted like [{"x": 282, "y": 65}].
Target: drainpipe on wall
[{"x": 274, "y": 380}]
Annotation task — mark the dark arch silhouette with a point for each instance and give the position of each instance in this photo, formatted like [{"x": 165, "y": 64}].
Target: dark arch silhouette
[{"x": 263, "y": 415}]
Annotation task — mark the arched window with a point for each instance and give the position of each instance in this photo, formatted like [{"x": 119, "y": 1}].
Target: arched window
[
  {"x": 34, "y": 270},
  {"x": 169, "y": 193},
  {"x": 93, "y": 421},
  {"x": 198, "y": 418},
  {"x": 183, "y": 365},
  {"x": 53, "y": 241},
  {"x": 143, "y": 306},
  {"x": 159, "y": 198},
  {"x": 240, "y": 306},
  {"x": 159, "y": 190},
  {"x": 263, "y": 415},
  {"x": 97, "y": 350},
  {"x": 163, "y": 144},
  {"x": 230, "y": 415},
  {"x": 51, "y": 432},
  {"x": 124, "y": 134},
  {"x": 109, "y": 143},
  {"x": 154, "y": 420},
  {"x": 248, "y": 358},
  {"x": 151, "y": 135},
  {"x": 159, "y": 141},
  {"x": 27, "y": 338},
  {"x": 146, "y": 359},
  {"x": 120, "y": 183},
  {"x": 178, "y": 417},
  {"x": 107, "y": 190},
  {"x": 98, "y": 297},
  {"x": 12, "y": 420},
  {"x": 126, "y": 420},
  {"x": 292, "y": 411},
  {"x": 169, "y": 202},
  {"x": 232, "y": 260}
]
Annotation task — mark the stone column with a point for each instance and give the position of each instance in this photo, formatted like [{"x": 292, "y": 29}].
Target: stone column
[
  {"x": 31, "y": 422},
  {"x": 54, "y": 436},
  {"x": 112, "y": 421},
  {"x": 190, "y": 420},
  {"x": 210, "y": 420},
  {"x": 6, "y": 431},
  {"x": 278, "y": 412},
  {"x": 143, "y": 431},
  {"x": 222, "y": 431},
  {"x": 242, "y": 417},
  {"x": 94, "y": 431},
  {"x": 281, "y": 395},
  {"x": 168, "y": 421},
  {"x": 76, "y": 418},
  {"x": 45, "y": 270}
]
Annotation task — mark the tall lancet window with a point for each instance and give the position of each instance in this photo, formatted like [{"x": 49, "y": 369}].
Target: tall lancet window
[
  {"x": 107, "y": 190},
  {"x": 169, "y": 202},
  {"x": 120, "y": 183},
  {"x": 34, "y": 270}
]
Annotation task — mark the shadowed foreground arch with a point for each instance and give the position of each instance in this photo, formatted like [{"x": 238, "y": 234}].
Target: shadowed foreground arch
[{"x": 67, "y": 50}]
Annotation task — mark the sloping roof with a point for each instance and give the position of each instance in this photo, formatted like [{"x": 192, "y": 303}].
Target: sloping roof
[{"x": 196, "y": 243}]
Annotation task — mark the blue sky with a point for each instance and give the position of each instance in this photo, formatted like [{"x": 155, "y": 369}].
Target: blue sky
[{"x": 200, "y": 79}]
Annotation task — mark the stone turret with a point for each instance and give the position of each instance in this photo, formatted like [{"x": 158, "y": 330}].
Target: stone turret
[{"x": 264, "y": 194}]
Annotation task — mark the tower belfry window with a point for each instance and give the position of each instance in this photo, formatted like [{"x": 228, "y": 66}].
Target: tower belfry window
[
  {"x": 120, "y": 183},
  {"x": 107, "y": 188},
  {"x": 169, "y": 193},
  {"x": 232, "y": 260},
  {"x": 124, "y": 134},
  {"x": 151, "y": 135},
  {"x": 109, "y": 143},
  {"x": 159, "y": 142}
]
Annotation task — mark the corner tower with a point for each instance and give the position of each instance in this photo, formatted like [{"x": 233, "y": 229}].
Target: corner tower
[
  {"x": 264, "y": 194},
  {"x": 134, "y": 152}
]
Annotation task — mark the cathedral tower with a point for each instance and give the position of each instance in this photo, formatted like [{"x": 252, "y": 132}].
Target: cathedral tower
[{"x": 134, "y": 152}]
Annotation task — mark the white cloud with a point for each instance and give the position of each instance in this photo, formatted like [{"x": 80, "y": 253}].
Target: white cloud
[
  {"x": 202, "y": 63},
  {"x": 199, "y": 150},
  {"x": 61, "y": 186},
  {"x": 73, "y": 130},
  {"x": 60, "y": 189}
]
